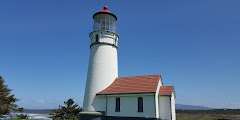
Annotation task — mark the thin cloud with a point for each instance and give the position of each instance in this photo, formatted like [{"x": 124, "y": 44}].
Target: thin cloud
[{"x": 41, "y": 101}]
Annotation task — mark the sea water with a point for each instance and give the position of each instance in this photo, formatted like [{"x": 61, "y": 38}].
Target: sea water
[{"x": 34, "y": 116}]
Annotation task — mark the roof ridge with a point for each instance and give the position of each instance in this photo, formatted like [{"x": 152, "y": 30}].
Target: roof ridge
[
  {"x": 133, "y": 84},
  {"x": 140, "y": 76}
]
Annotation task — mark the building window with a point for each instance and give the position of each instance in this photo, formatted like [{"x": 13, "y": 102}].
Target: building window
[
  {"x": 140, "y": 104},
  {"x": 117, "y": 105},
  {"x": 97, "y": 39}
]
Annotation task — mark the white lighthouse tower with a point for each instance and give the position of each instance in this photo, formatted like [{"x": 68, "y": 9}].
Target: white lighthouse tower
[
  {"x": 103, "y": 63},
  {"x": 108, "y": 97}
]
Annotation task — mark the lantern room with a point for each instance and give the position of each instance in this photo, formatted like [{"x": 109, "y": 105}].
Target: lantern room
[{"x": 104, "y": 20}]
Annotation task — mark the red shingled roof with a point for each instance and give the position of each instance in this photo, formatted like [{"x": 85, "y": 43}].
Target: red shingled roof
[
  {"x": 136, "y": 84},
  {"x": 166, "y": 90}
]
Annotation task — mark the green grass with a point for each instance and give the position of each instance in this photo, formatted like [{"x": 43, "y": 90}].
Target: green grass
[
  {"x": 204, "y": 117},
  {"x": 207, "y": 114}
]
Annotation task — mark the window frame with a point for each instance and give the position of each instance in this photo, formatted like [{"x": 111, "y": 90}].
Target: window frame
[{"x": 140, "y": 104}]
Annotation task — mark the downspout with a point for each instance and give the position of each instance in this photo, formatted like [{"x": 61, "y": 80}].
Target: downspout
[{"x": 156, "y": 98}]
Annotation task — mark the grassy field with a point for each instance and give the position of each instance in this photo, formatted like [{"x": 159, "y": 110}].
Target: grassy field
[{"x": 208, "y": 114}]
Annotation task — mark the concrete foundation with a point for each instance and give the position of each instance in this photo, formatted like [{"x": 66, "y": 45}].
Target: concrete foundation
[{"x": 114, "y": 118}]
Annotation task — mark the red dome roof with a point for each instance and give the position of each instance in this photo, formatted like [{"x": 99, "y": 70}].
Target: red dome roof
[{"x": 105, "y": 11}]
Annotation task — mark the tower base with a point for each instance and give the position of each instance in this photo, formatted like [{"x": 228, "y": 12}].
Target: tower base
[{"x": 91, "y": 115}]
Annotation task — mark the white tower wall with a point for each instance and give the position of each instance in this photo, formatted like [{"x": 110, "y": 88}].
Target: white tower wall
[{"x": 102, "y": 68}]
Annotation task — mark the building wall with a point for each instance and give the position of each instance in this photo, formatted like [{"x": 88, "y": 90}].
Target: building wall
[
  {"x": 99, "y": 103},
  {"x": 129, "y": 106},
  {"x": 164, "y": 108}
]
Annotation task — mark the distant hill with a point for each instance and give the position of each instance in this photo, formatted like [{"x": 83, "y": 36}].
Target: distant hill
[{"x": 192, "y": 107}]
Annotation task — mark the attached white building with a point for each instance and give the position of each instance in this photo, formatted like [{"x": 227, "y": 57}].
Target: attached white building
[
  {"x": 139, "y": 96},
  {"x": 130, "y": 98}
]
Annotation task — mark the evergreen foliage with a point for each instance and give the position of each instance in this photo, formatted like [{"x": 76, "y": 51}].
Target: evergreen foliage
[
  {"x": 22, "y": 116},
  {"x": 7, "y": 99},
  {"x": 69, "y": 111}
]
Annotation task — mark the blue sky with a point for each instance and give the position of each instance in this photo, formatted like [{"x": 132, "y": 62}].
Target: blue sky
[{"x": 194, "y": 45}]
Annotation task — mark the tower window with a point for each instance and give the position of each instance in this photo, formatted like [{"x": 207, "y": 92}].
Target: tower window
[
  {"x": 97, "y": 39},
  {"x": 140, "y": 104},
  {"x": 117, "y": 105},
  {"x": 115, "y": 41}
]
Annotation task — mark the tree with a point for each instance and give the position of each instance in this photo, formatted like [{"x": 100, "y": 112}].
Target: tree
[
  {"x": 22, "y": 116},
  {"x": 69, "y": 111},
  {"x": 7, "y": 99}
]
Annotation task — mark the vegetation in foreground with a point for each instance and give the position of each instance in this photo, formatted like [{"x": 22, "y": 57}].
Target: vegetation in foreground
[
  {"x": 218, "y": 114},
  {"x": 7, "y": 104},
  {"x": 69, "y": 111},
  {"x": 22, "y": 116},
  {"x": 7, "y": 101}
]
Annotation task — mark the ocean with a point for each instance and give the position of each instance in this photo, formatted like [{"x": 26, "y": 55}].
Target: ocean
[
  {"x": 30, "y": 116},
  {"x": 39, "y": 114}
]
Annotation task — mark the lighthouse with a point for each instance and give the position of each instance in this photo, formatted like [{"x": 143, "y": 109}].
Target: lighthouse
[
  {"x": 103, "y": 61},
  {"x": 109, "y": 97}
]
